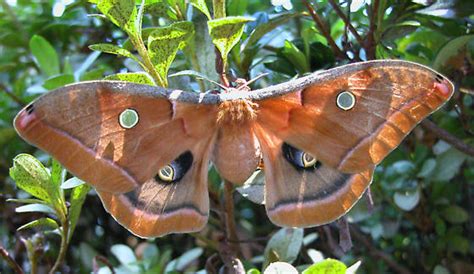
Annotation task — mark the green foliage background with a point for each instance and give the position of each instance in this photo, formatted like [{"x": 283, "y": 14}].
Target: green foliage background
[{"x": 423, "y": 217}]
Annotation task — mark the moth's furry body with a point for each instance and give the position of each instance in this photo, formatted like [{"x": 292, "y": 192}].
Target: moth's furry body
[{"x": 236, "y": 112}]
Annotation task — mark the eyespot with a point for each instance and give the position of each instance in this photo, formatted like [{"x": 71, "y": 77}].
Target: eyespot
[
  {"x": 345, "y": 100},
  {"x": 175, "y": 171},
  {"x": 299, "y": 159},
  {"x": 308, "y": 160},
  {"x": 128, "y": 118},
  {"x": 166, "y": 173}
]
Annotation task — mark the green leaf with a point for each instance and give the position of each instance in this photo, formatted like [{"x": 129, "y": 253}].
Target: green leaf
[
  {"x": 453, "y": 9},
  {"x": 47, "y": 223},
  {"x": 253, "y": 271},
  {"x": 427, "y": 169},
  {"x": 133, "y": 77},
  {"x": 87, "y": 254},
  {"x": 226, "y": 33},
  {"x": 6, "y": 134},
  {"x": 206, "y": 54},
  {"x": 72, "y": 183},
  {"x": 286, "y": 243},
  {"x": 455, "y": 214},
  {"x": 458, "y": 243},
  {"x": 164, "y": 258},
  {"x": 237, "y": 7},
  {"x": 202, "y": 6},
  {"x": 86, "y": 64},
  {"x": 407, "y": 200},
  {"x": 399, "y": 30},
  {"x": 114, "y": 49},
  {"x": 58, "y": 173},
  {"x": 94, "y": 74},
  {"x": 122, "y": 13},
  {"x": 249, "y": 51},
  {"x": 426, "y": 40},
  {"x": 281, "y": 65},
  {"x": 35, "y": 208},
  {"x": 45, "y": 55},
  {"x": 328, "y": 266},
  {"x": 219, "y": 8},
  {"x": 161, "y": 9},
  {"x": 315, "y": 255},
  {"x": 184, "y": 260},
  {"x": 253, "y": 188},
  {"x": 439, "y": 269},
  {"x": 150, "y": 252},
  {"x": 31, "y": 176},
  {"x": 26, "y": 201},
  {"x": 67, "y": 69},
  {"x": 453, "y": 54},
  {"x": 448, "y": 164},
  {"x": 280, "y": 268},
  {"x": 296, "y": 57},
  {"x": 127, "y": 44},
  {"x": 57, "y": 81},
  {"x": 353, "y": 268},
  {"x": 77, "y": 199},
  {"x": 164, "y": 43},
  {"x": 309, "y": 238},
  {"x": 126, "y": 257}
]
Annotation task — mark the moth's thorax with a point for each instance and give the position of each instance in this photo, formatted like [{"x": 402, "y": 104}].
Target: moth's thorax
[{"x": 237, "y": 111}]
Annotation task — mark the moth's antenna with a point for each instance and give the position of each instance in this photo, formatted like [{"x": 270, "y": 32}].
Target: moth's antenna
[
  {"x": 245, "y": 85},
  {"x": 215, "y": 83},
  {"x": 256, "y": 78},
  {"x": 198, "y": 76}
]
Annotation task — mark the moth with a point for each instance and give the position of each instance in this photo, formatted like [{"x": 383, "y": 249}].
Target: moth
[{"x": 146, "y": 150}]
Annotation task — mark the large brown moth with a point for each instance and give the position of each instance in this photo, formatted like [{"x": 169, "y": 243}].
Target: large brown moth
[{"x": 146, "y": 149}]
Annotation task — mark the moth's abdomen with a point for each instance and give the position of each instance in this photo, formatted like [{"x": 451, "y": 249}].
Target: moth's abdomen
[{"x": 236, "y": 153}]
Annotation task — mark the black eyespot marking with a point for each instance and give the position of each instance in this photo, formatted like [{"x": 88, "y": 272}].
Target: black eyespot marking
[
  {"x": 175, "y": 171},
  {"x": 30, "y": 108},
  {"x": 299, "y": 159},
  {"x": 439, "y": 78}
]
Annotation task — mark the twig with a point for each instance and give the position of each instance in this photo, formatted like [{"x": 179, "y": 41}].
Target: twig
[
  {"x": 10, "y": 261},
  {"x": 370, "y": 200},
  {"x": 448, "y": 137},
  {"x": 209, "y": 243},
  {"x": 324, "y": 30},
  {"x": 12, "y": 95},
  {"x": 345, "y": 241},
  {"x": 344, "y": 18},
  {"x": 212, "y": 262},
  {"x": 63, "y": 248},
  {"x": 370, "y": 43},
  {"x": 231, "y": 233},
  {"x": 103, "y": 260},
  {"x": 334, "y": 248},
  {"x": 229, "y": 249},
  {"x": 221, "y": 68},
  {"x": 376, "y": 253},
  {"x": 258, "y": 239}
]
